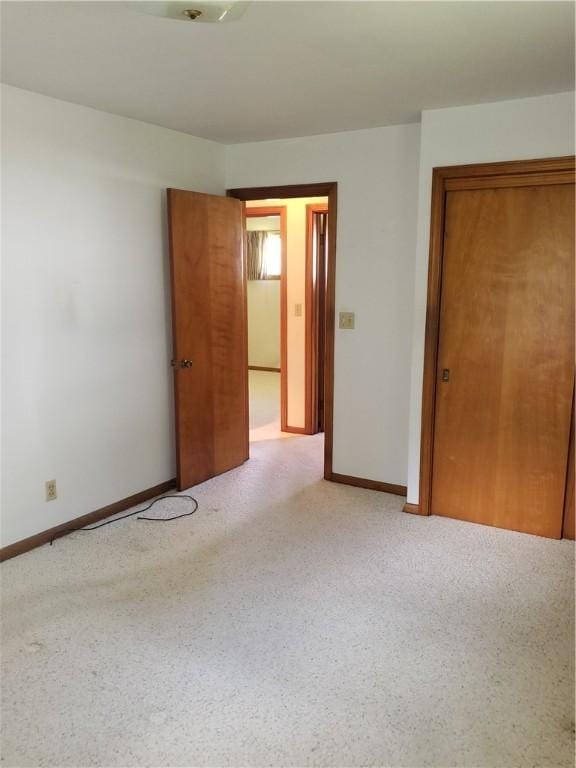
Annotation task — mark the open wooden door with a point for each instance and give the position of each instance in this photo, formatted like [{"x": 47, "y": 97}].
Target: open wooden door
[
  {"x": 209, "y": 334},
  {"x": 316, "y": 288}
]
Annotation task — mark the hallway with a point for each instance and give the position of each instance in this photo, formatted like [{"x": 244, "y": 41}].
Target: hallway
[{"x": 264, "y": 393}]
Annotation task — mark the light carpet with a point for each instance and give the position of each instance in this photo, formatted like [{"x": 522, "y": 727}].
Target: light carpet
[
  {"x": 290, "y": 622},
  {"x": 264, "y": 389}
]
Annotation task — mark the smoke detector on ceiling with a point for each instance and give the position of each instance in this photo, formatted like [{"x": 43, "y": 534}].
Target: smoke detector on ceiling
[{"x": 210, "y": 12}]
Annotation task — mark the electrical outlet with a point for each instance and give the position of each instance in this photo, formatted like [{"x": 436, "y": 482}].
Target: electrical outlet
[
  {"x": 346, "y": 321},
  {"x": 297, "y": 310},
  {"x": 51, "y": 492}
]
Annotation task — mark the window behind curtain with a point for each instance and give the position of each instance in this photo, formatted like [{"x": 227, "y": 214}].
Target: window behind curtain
[{"x": 264, "y": 255}]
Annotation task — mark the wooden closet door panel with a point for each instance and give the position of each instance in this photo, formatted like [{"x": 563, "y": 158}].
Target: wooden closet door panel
[
  {"x": 209, "y": 329},
  {"x": 502, "y": 421}
]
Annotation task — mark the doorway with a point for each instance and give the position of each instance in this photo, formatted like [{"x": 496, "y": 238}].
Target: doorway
[
  {"x": 499, "y": 354},
  {"x": 266, "y": 250},
  {"x": 307, "y": 287},
  {"x": 210, "y": 325},
  {"x": 286, "y": 258}
]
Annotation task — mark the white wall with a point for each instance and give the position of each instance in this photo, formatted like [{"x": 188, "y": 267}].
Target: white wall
[
  {"x": 377, "y": 174},
  {"x": 86, "y": 342},
  {"x": 264, "y": 323},
  {"x": 510, "y": 130}
]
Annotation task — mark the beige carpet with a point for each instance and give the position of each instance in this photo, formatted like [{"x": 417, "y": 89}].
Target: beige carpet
[
  {"x": 290, "y": 622},
  {"x": 264, "y": 389}
]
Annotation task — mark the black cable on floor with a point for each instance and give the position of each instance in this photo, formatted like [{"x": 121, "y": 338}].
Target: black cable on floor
[{"x": 138, "y": 512}]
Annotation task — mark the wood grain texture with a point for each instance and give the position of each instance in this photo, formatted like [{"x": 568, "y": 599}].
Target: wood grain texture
[
  {"x": 284, "y": 325},
  {"x": 330, "y": 320},
  {"x": 209, "y": 315},
  {"x": 44, "y": 537},
  {"x": 320, "y": 329},
  {"x": 431, "y": 342},
  {"x": 506, "y": 336},
  {"x": 569, "y": 522},
  {"x": 514, "y": 180},
  {"x": 257, "y": 212},
  {"x": 442, "y": 176},
  {"x": 315, "y": 313},
  {"x": 320, "y": 189},
  {"x": 509, "y": 168}
]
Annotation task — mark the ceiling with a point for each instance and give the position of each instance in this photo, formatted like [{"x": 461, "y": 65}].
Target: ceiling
[{"x": 288, "y": 68}]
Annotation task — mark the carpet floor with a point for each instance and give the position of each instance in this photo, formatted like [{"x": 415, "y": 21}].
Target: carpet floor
[{"x": 290, "y": 622}]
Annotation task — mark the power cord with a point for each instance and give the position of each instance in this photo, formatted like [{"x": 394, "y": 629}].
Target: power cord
[{"x": 137, "y": 512}]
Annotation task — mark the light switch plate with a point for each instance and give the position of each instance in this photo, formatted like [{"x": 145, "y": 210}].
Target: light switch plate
[
  {"x": 297, "y": 310},
  {"x": 346, "y": 321}
]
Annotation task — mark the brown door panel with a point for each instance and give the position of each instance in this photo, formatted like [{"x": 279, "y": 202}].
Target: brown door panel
[
  {"x": 209, "y": 330},
  {"x": 505, "y": 357}
]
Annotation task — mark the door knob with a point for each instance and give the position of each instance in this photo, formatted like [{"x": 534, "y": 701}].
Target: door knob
[{"x": 181, "y": 363}]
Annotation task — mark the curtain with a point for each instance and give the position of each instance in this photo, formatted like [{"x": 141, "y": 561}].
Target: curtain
[{"x": 256, "y": 263}]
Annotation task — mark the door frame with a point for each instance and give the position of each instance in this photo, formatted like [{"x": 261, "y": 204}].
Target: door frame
[
  {"x": 312, "y": 326},
  {"x": 278, "y": 210},
  {"x": 556, "y": 170},
  {"x": 329, "y": 190}
]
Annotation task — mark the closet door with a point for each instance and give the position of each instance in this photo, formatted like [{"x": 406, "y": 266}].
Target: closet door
[{"x": 505, "y": 371}]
